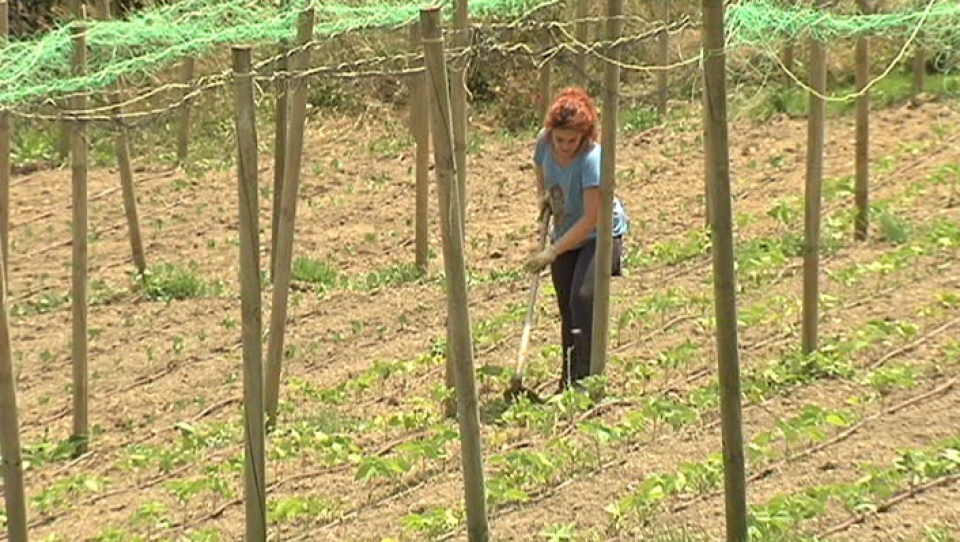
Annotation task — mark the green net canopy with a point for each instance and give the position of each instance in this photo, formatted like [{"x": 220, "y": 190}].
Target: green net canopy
[
  {"x": 36, "y": 71},
  {"x": 151, "y": 40}
]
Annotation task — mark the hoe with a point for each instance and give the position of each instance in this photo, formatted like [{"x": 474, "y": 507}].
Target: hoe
[{"x": 516, "y": 383}]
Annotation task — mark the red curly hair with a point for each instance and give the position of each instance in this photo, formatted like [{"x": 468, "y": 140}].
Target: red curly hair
[{"x": 573, "y": 109}]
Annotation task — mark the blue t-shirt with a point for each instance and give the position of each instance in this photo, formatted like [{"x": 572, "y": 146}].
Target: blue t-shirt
[{"x": 565, "y": 186}]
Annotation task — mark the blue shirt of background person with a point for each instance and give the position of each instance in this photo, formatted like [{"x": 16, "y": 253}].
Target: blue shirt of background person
[{"x": 565, "y": 187}]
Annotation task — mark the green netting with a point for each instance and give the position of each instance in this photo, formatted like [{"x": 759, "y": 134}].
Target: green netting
[
  {"x": 761, "y": 22},
  {"x": 35, "y": 70},
  {"x": 151, "y": 40}
]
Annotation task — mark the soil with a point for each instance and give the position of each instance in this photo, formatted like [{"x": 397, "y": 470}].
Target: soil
[{"x": 165, "y": 377}]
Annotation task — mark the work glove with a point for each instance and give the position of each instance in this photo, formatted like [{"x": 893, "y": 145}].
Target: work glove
[{"x": 541, "y": 259}]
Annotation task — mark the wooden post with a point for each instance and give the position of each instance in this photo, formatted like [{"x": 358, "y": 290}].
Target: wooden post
[
  {"x": 450, "y": 223},
  {"x": 459, "y": 94},
  {"x": 861, "y": 225},
  {"x": 254, "y": 459},
  {"x": 816, "y": 133},
  {"x": 546, "y": 89},
  {"x": 5, "y": 136},
  {"x": 663, "y": 50},
  {"x": 288, "y": 211},
  {"x": 79, "y": 293},
  {"x": 717, "y": 169},
  {"x": 608, "y": 185},
  {"x": 10, "y": 455},
  {"x": 75, "y": 10},
  {"x": 582, "y": 32},
  {"x": 709, "y": 151},
  {"x": 183, "y": 136},
  {"x": 279, "y": 150},
  {"x": 122, "y": 146},
  {"x": 919, "y": 66},
  {"x": 788, "y": 56},
  {"x": 420, "y": 127}
]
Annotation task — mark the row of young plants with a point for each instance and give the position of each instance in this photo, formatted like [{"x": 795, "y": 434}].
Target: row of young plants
[
  {"x": 398, "y": 469},
  {"x": 931, "y": 241},
  {"x": 171, "y": 284},
  {"x": 401, "y": 468},
  {"x": 762, "y": 260},
  {"x": 381, "y": 372},
  {"x": 788, "y": 213},
  {"x": 874, "y": 489},
  {"x": 787, "y": 440},
  {"x": 328, "y": 442},
  {"x": 523, "y": 474},
  {"x": 924, "y": 255},
  {"x": 332, "y": 446},
  {"x": 382, "y": 468},
  {"x": 411, "y": 461},
  {"x": 783, "y": 517},
  {"x": 518, "y": 468}
]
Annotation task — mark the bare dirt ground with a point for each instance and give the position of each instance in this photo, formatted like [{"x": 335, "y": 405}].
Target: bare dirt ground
[{"x": 350, "y": 459}]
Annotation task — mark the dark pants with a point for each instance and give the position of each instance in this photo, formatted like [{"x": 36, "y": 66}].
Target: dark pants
[{"x": 573, "y": 277}]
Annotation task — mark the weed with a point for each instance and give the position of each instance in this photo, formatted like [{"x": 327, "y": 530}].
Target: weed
[
  {"x": 48, "y": 302},
  {"x": 317, "y": 272},
  {"x": 433, "y": 523},
  {"x": 170, "y": 282},
  {"x": 559, "y": 532},
  {"x": 290, "y": 509},
  {"x": 894, "y": 228},
  {"x": 389, "y": 276},
  {"x": 938, "y": 533},
  {"x": 639, "y": 119}
]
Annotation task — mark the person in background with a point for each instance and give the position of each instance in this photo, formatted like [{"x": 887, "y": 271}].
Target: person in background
[{"x": 567, "y": 166}]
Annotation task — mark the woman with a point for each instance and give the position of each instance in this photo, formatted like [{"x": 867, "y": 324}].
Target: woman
[{"x": 567, "y": 165}]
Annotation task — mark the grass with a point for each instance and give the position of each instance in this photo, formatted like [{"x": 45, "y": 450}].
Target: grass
[
  {"x": 897, "y": 87},
  {"x": 172, "y": 282},
  {"x": 326, "y": 277},
  {"x": 317, "y": 272},
  {"x": 639, "y": 119}
]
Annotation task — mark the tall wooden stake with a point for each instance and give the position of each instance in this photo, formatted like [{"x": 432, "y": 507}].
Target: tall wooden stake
[
  {"x": 12, "y": 463},
  {"x": 450, "y": 223},
  {"x": 663, "y": 50},
  {"x": 288, "y": 211},
  {"x": 919, "y": 66},
  {"x": 75, "y": 9},
  {"x": 546, "y": 89},
  {"x": 5, "y": 136},
  {"x": 183, "y": 136},
  {"x": 420, "y": 127},
  {"x": 861, "y": 226},
  {"x": 717, "y": 168},
  {"x": 279, "y": 152},
  {"x": 79, "y": 293},
  {"x": 458, "y": 95},
  {"x": 816, "y": 133},
  {"x": 10, "y": 454},
  {"x": 255, "y": 498},
  {"x": 458, "y": 92},
  {"x": 708, "y": 188},
  {"x": 788, "y": 56},
  {"x": 608, "y": 185},
  {"x": 122, "y": 146},
  {"x": 582, "y": 31}
]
